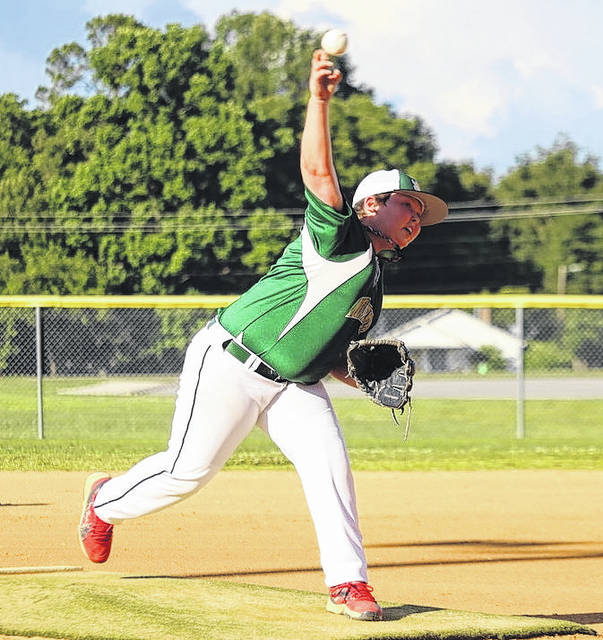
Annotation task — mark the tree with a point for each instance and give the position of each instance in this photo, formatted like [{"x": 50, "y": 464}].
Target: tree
[
  {"x": 66, "y": 67},
  {"x": 269, "y": 58},
  {"x": 17, "y": 130},
  {"x": 50, "y": 269},
  {"x": 367, "y": 137},
  {"x": 163, "y": 125},
  {"x": 554, "y": 242},
  {"x": 169, "y": 159},
  {"x": 160, "y": 137}
]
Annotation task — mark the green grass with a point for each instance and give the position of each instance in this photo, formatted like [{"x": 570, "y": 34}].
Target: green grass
[
  {"x": 90, "y": 432},
  {"x": 96, "y": 606}
]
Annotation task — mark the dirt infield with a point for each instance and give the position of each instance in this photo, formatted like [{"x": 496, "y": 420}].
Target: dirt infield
[{"x": 521, "y": 542}]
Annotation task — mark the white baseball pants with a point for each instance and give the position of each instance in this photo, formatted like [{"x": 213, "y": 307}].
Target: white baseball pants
[{"x": 219, "y": 401}]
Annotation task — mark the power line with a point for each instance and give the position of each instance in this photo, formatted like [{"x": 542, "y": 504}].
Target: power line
[
  {"x": 172, "y": 222},
  {"x": 165, "y": 226},
  {"x": 474, "y": 210},
  {"x": 486, "y": 216},
  {"x": 91, "y": 228}
]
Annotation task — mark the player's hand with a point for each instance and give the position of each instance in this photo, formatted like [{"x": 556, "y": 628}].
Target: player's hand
[{"x": 324, "y": 78}]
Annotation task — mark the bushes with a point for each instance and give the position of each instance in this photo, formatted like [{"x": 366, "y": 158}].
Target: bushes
[
  {"x": 491, "y": 357},
  {"x": 547, "y": 355}
]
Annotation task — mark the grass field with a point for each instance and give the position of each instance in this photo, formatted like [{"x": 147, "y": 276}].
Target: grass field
[
  {"x": 90, "y": 432},
  {"x": 135, "y": 609}
]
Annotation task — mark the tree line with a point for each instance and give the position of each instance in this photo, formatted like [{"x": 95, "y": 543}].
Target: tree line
[{"x": 165, "y": 161}]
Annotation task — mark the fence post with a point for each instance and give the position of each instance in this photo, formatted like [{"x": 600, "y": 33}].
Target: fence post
[
  {"x": 40, "y": 371},
  {"x": 521, "y": 391}
]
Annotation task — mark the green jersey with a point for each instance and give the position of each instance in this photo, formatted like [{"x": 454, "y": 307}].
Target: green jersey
[{"x": 324, "y": 291}]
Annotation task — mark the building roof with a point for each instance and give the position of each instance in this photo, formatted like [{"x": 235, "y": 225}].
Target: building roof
[{"x": 454, "y": 329}]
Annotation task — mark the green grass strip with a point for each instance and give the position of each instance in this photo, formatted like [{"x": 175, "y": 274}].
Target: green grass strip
[
  {"x": 113, "y": 433},
  {"x": 102, "y": 606},
  {"x": 487, "y": 455}
]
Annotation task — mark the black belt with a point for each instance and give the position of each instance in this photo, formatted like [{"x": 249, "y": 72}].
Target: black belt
[{"x": 242, "y": 355}]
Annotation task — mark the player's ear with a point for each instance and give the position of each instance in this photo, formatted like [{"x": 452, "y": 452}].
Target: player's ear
[{"x": 371, "y": 206}]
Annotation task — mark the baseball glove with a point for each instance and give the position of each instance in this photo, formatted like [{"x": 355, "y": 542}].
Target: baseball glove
[{"x": 384, "y": 370}]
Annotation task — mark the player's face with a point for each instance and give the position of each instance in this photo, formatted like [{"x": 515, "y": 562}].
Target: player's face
[{"x": 399, "y": 218}]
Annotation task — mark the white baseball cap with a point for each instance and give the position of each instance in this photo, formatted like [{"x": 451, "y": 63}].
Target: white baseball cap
[{"x": 384, "y": 181}]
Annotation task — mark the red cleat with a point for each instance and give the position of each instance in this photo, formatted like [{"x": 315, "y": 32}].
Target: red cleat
[
  {"x": 355, "y": 600},
  {"x": 95, "y": 535}
]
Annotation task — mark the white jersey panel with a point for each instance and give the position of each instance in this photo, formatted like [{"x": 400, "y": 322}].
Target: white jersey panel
[{"x": 324, "y": 276}]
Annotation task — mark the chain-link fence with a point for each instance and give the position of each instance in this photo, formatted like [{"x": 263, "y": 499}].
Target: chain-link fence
[{"x": 66, "y": 372}]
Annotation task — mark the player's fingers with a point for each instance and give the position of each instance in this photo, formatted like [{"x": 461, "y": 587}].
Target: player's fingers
[
  {"x": 333, "y": 79},
  {"x": 321, "y": 57},
  {"x": 324, "y": 65},
  {"x": 325, "y": 76}
]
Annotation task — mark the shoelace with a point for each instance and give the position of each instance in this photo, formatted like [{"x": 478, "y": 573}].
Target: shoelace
[
  {"x": 102, "y": 536},
  {"x": 356, "y": 591},
  {"x": 99, "y": 531}
]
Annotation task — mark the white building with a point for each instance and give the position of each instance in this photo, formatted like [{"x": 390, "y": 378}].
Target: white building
[{"x": 450, "y": 339}]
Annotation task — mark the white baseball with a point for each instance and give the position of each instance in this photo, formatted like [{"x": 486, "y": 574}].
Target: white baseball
[{"x": 334, "y": 42}]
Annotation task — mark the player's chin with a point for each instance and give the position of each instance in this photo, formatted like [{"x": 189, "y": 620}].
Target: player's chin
[{"x": 408, "y": 237}]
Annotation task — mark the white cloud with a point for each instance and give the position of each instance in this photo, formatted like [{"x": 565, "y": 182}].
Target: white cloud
[
  {"x": 471, "y": 105},
  {"x": 597, "y": 92},
  {"x": 483, "y": 74},
  {"x": 466, "y": 66}
]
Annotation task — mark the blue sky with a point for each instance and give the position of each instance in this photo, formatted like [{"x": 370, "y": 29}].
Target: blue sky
[{"x": 493, "y": 79}]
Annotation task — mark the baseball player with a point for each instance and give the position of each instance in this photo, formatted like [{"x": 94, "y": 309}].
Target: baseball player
[{"x": 261, "y": 361}]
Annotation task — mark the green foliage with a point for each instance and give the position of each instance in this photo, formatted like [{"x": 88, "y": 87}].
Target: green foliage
[
  {"x": 269, "y": 58},
  {"x": 50, "y": 269},
  {"x": 17, "y": 130},
  {"x": 177, "y": 326},
  {"x": 269, "y": 55},
  {"x": 269, "y": 232},
  {"x": 551, "y": 173},
  {"x": 544, "y": 356},
  {"x": 554, "y": 244},
  {"x": 492, "y": 358},
  {"x": 158, "y": 154},
  {"x": 367, "y": 137},
  {"x": 460, "y": 183},
  {"x": 8, "y": 333},
  {"x": 152, "y": 147},
  {"x": 584, "y": 336}
]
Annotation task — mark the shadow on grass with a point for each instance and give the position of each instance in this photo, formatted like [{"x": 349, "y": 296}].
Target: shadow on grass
[
  {"x": 397, "y": 613},
  {"x": 580, "y": 618}
]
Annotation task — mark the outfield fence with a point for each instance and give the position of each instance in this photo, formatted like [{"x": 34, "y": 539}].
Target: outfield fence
[{"x": 74, "y": 350}]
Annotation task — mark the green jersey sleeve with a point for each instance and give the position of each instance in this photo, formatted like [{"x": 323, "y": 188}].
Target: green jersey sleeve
[{"x": 336, "y": 235}]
